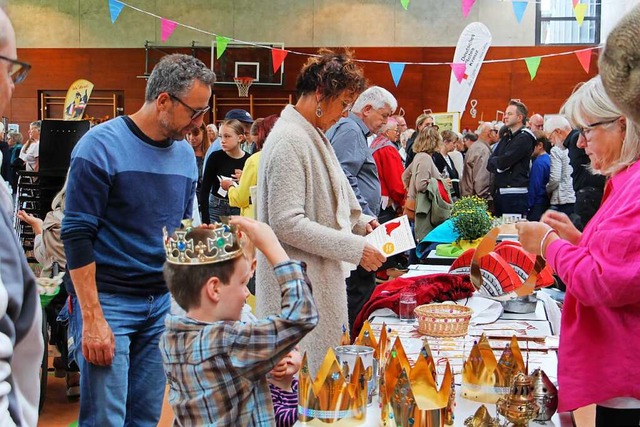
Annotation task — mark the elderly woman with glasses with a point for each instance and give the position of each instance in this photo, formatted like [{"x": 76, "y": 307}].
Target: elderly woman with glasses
[{"x": 600, "y": 267}]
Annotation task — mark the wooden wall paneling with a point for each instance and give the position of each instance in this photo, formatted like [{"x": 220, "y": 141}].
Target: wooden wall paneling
[{"x": 420, "y": 87}]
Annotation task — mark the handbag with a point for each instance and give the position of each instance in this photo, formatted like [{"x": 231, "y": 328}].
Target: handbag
[{"x": 409, "y": 209}]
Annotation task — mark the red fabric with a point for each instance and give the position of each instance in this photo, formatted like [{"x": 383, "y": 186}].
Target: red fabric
[
  {"x": 430, "y": 288},
  {"x": 444, "y": 193},
  {"x": 390, "y": 169}
]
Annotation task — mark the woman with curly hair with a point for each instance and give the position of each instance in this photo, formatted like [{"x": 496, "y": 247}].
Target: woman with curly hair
[{"x": 306, "y": 198}]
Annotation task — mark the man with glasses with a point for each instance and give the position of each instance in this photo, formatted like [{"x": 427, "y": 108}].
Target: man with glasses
[
  {"x": 510, "y": 163},
  {"x": 129, "y": 178},
  {"x": 348, "y": 137},
  {"x": 21, "y": 346},
  {"x": 588, "y": 187}
]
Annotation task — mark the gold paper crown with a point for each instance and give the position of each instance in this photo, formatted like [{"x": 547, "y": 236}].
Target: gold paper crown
[
  {"x": 379, "y": 346},
  {"x": 188, "y": 245},
  {"x": 410, "y": 396},
  {"x": 485, "y": 379},
  {"x": 332, "y": 398}
]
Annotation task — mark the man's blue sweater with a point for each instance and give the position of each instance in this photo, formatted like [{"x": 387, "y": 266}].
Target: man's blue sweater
[{"x": 123, "y": 188}]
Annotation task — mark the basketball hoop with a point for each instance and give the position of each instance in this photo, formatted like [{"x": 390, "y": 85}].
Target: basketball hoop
[{"x": 243, "y": 84}]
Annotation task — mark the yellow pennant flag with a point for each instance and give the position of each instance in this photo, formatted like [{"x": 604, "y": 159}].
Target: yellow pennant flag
[{"x": 580, "y": 10}]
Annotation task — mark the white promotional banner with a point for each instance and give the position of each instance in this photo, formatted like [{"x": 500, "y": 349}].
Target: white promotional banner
[{"x": 473, "y": 45}]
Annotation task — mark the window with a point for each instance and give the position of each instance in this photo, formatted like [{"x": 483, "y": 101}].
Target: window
[{"x": 556, "y": 23}]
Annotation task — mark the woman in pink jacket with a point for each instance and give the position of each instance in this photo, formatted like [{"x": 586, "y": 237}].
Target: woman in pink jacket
[{"x": 599, "y": 339}]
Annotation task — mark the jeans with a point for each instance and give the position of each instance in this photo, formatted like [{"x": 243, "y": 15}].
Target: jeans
[
  {"x": 220, "y": 207},
  {"x": 130, "y": 391}
]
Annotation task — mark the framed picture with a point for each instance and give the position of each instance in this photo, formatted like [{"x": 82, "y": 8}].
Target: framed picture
[{"x": 447, "y": 121}]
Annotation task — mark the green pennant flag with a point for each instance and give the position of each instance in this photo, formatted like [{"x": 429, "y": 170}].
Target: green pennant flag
[
  {"x": 405, "y": 4},
  {"x": 532, "y": 65},
  {"x": 221, "y": 45}
]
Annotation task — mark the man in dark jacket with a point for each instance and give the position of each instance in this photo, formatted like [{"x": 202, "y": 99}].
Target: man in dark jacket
[{"x": 510, "y": 163}]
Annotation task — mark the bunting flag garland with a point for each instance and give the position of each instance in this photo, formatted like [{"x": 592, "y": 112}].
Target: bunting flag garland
[
  {"x": 466, "y": 7},
  {"x": 167, "y": 28},
  {"x": 575, "y": 2},
  {"x": 221, "y": 45},
  {"x": 584, "y": 56},
  {"x": 278, "y": 56},
  {"x": 532, "y": 65},
  {"x": 397, "y": 68},
  {"x": 518, "y": 8},
  {"x": 405, "y": 4},
  {"x": 459, "y": 70},
  {"x": 115, "y": 7},
  {"x": 580, "y": 10}
]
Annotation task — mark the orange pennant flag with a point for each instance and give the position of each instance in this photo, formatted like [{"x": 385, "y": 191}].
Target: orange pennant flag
[
  {"x": 584, "y": 56},
  {"x": 278, "y": 56}
]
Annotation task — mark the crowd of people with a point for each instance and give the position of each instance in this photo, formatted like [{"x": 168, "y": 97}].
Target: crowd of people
[{"x": 304, "y": 188}]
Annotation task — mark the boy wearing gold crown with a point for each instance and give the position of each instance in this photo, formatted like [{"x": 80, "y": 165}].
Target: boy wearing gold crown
[{"x": 215, "y": 364}]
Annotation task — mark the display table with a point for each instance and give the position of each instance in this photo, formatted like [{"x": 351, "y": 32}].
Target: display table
[{"x": 533, "y": 331}]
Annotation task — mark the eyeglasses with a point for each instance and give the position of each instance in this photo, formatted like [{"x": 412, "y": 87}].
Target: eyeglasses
[
  {"x": 18, "y": 70},
  {"x": 493, "y": 130},
  {"x": 196, "y": 113},
  {"x": 586, "y": 129},
  {"x": 346, "y": 106}
]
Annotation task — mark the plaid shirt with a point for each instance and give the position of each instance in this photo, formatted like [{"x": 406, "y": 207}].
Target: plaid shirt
[{"x": 217, "y": 371}]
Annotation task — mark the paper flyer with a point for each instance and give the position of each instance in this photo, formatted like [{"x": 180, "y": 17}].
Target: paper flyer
[{"x": 393, "y": 236}]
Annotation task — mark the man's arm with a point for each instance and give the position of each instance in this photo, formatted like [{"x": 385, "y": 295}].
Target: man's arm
[
  {"x": 347, "y": 144},
  {"x": 512, "y": 152}
]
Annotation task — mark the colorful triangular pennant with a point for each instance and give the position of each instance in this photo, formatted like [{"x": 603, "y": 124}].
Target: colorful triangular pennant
[
  {"x": 575, "y": 2},
  {"x": 278, "y": 56},
  {"x": 459, "y": 69},
  {"x": 532, "y": 65},
  {"x": 405, "y": 4},
  {"x": 518, "y": 8},
  {"x": 584, "y": 57},
  {"x": 115, "y": 7},
  {"x": 580, "y": 10},
  {"x": 466, "y": 7},
  {"x": 397, "y": 68},
  {"x": 167, "y": 28},
  {"x": 221, "y": 45}
]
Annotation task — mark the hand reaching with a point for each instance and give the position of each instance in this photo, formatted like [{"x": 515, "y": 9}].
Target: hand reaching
[
  {"x": 563, "y": 226},
  {"x": 372, "y": 258},
  {"x": 35, "y": 223}
]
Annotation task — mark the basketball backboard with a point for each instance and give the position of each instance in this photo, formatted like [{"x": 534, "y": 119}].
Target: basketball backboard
[{"x": 243, "y": 60}]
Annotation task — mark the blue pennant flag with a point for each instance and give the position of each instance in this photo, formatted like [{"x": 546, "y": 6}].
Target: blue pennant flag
[
  {"x": 115, "y": 7},
  {"x": 397, "y": 68},
  {"x": 518, "y": 8}
]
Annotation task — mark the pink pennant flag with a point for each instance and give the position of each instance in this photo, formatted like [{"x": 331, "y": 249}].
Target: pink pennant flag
[
  {"x": 584, "y": 56},
  {"x": 466, "y": 7},
  {"x": 166, "y": 28},
  {"x": 575, "y": 2},
  {"x": 278, "y": 56},
  {"x": 459, "y": 69}
]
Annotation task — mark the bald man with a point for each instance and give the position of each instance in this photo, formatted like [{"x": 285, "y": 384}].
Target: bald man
[
  {"x": 21, "y": 344},
  {"x": 536, "y": 122}
]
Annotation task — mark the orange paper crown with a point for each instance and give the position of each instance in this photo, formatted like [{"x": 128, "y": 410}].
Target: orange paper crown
[
  {"x": 485, "y": 379},
  {"x": 410, "y": 396},
  {"x": 331, "y": 398}
]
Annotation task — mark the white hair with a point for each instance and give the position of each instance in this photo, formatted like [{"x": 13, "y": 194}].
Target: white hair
[
  {"x": 556, "y": 122},
  {"x": 212, "y": 127},
  {"x": 390, "y": 123},
  {"x": 377, "y": 97}
]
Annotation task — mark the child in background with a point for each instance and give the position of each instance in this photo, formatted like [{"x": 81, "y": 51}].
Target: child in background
[
  {"x": 284, "y": 388},
  {"x": 216, "y": 365}
]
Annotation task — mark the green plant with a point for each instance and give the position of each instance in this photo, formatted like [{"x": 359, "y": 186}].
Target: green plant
[{"x": 470, "y": 218}]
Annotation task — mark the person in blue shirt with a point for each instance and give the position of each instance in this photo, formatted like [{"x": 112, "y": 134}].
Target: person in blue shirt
[
  {"x": 129, "y": 177},
  {"x": 539, "y": 177}
]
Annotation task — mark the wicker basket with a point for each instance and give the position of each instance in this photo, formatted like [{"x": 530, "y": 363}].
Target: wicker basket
[{"x": 443, "y": 320}]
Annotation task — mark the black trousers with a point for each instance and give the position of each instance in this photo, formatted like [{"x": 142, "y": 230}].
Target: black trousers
[
  {"x": 611, "y": 417},
  {"x": 360, "y": 286}
]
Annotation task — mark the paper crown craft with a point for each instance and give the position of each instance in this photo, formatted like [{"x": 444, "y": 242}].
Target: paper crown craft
[
  {"x": 190, "y": 245},
  {"x": 485, "y": 379},
  {"x": 503, "y": 271},
  {"x": 332, "y": 398},
  {"x": 410, "y": 396}
]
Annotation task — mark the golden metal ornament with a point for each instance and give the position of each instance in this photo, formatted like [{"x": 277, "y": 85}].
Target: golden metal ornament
[
  {"x": 519, "y": 406},
  {"x": 481, "y": 418}
]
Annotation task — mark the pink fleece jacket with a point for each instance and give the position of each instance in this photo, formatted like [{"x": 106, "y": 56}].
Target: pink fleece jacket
[{"x": 599, "y": 354}]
